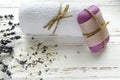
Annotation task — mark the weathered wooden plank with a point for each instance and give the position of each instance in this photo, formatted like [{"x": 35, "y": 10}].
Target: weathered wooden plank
[{"x": 74, "y": 61}]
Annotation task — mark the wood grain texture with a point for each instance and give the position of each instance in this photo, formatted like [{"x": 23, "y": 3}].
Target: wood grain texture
[{"x": 74, "y": 61}]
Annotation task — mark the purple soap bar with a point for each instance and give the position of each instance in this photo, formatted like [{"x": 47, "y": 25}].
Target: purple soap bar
[
  {"x": 99, "y": 46},
  {"x": 85, "y": 16},
  {"x": 87, "y": 24}
]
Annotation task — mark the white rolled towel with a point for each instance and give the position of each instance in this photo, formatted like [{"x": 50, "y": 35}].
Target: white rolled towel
[{"x": 34, "y": 16}]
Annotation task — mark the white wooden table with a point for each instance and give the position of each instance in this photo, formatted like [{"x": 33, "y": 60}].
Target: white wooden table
[{"x": 71, "y": 58}]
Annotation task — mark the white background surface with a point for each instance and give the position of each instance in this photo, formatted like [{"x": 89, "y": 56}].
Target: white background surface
[{"x": 82, "y": 65}]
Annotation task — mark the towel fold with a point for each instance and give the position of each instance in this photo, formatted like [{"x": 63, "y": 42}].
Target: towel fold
[{"x": 34, "y": 16}]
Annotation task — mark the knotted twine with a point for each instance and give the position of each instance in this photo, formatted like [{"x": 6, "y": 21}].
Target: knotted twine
[{"x": 61, "y": 15}]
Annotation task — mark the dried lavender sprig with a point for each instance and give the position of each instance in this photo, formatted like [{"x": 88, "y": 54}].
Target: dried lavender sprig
[{"x": 6, "y": 49}]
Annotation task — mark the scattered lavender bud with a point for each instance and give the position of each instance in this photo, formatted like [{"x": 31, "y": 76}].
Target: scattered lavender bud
[
  {"x": 10, "y": 23},
  {"x": 5, "y": 16},
  {"x": 6, "y": 49},
  {"x": 8, "y": 73},
  {"x": 4, "y": 42},
  {"x": 1, "y": 17}
]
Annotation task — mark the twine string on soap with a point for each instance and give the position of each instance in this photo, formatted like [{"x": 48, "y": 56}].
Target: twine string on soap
[
  {"x": 61, "y": 15},
  {"x": 100, "y": 28}
]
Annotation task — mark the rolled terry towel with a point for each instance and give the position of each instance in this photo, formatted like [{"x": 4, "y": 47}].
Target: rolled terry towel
[{"x": 34, "y": 16}]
